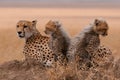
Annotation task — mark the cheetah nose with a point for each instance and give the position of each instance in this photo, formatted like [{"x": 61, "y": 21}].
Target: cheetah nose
[{"x": 19, "y": 32}]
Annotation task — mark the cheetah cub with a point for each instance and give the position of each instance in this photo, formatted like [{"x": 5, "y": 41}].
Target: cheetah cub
[
  {"x": 87, "y": 45},
  {"x": 59, "y": 40},
  {"x": 36, "y": 49}
]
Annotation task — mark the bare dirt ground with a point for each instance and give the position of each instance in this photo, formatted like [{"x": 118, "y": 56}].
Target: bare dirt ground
[{"x": 74, "y": 20}]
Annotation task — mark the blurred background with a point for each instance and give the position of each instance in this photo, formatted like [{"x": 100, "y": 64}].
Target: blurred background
[{"x": 73, "y": 14}]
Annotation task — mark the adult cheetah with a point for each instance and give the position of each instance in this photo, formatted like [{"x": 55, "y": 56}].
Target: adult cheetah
[
  {"x": 36, "y": 47},
  {"x": 85, "y": 47},
  {"x": 60, "y": 40}
]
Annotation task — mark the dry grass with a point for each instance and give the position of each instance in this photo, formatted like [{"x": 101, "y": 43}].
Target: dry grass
[
  {"x": 19, "y": 70},
  {"x": 11, "y": 46}
]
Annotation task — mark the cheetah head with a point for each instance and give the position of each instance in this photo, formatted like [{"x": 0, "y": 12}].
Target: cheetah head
[
  {"x": 101, "y": 27},
  {"x": 25, "y": 28},
  {"x": 51, "y": 27}
]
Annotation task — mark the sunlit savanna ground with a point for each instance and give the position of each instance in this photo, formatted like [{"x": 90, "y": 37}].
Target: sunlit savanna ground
[{"x": 72, "y": 19}]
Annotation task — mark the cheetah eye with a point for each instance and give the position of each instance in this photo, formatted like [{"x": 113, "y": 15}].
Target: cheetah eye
[
  {"x": 25, "y": 26},
  {"x": 104, "y": 29},
  {"x": 17, "y": 26},
  {"x": 97, "y": 24}
]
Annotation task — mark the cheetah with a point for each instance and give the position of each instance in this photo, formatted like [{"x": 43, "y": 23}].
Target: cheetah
[
  {"x": 36, "y": 47},
  {"x": 60, "y": 40},
  {"x": 86, "y": 46},
  {"x": 103, "y": 56}
]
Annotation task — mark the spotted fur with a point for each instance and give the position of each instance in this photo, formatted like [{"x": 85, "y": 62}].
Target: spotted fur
[
  {"x": 60, "y": 40},
  {"x": 36, "y": 47},
  {"x": 85, "y": 48}
]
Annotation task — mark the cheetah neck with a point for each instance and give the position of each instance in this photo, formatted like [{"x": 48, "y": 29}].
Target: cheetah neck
[
  {"x": 59, "y": 33},
  {"x": 34, "y": 36},
  {"x": 92, "y": 31}
]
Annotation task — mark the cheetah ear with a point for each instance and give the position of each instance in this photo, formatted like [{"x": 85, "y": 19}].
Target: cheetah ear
[
  {"x": 34, "y": 23},
  {"x": 96, "y": 22},
  {"x": 49, "y": 21},
  {"x": 57, "y": 24}
]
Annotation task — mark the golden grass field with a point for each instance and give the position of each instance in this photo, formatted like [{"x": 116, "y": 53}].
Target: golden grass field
[{"x": 72, "y": 19}]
